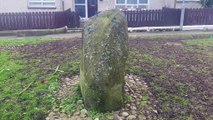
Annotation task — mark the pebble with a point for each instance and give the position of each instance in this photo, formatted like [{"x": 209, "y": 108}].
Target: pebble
[
  {"x": 80, "y": 102},
  {"x": 67, "y": 79},
  {"x": 129, "y": 112},
  {"x": 75, "y": 118},
  {"x": 133, "y": 112},
  {"x": 141, "y": 117},
  {"x": 138, "y": 94},
  {"x": 83, "y": 113},
  {"x": 131, "y": 117},
  {"x": 88, "y": 119},
  {"x": 126, "y": 90},
  {"x": 132, "y": 104},
  {"x": 130, "y": 77},
  {"x": 110, "y": 117},
  {"x": 117, "y": 117},
  {"x": 77, "y": 113},
  {"x": 133, "y": 108},
  {"x": 56, "y": 110},
  {"x": 155, "y": 111},
  {"x": 47, "y": 118},
  {"x": 125, "y": 114},
  {"x": 51, "y": 114},
  {"x": 134, "y": 96},
  {"x": 138, "y": 99},
  {"x": 62, "y": 115},
  {"x": 132, "y": 81},
  {"x": 127, "y": 105},
  {"x": 138, "y": 103}
]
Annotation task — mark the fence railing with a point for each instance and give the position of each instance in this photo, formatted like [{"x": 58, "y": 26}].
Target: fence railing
[
  {"x": 38, "y": 20},
  {"x": 169, "y": 17},
  {"x": 164, "y": 17},
  {"x": 140, "y": 18},
  {"x": 202, "y": 16}
]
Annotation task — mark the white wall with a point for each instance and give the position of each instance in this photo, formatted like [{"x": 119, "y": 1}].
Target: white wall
[
  {"x": 159, "y": 4},
  {"x": 69, "y": 4},
  {"x": 153, "y": 4},
  {"x": 13, "y": 6},
  {"x": 189, "y": 5},
  {"x": 106, "y": 5},
  {"x": 21, "y": 6}
]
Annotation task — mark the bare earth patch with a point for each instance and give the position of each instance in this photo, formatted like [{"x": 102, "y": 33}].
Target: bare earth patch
[{"x": 179, "y": 76}]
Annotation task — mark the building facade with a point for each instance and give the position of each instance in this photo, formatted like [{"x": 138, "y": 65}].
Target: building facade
[
  {"x": 188, "y": 4},
  {"x": 88, "y": 8}
]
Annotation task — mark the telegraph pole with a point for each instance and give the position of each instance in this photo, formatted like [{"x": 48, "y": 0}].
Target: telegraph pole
[{"x": 182, "y": 15}]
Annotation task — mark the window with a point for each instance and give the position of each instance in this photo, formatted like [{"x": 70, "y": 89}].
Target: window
[
  {"x": 188, "y": 0},
  {"x": 80, "y": 6},
  {"x": 120, "y": 1},
  {"x": 79, "y": 1},
  {"x": 41, "y": 3},
  {"x": 143, "y": 1},
  {"x": 131, "y": 1},
  {"x": 131, "y": 4}
]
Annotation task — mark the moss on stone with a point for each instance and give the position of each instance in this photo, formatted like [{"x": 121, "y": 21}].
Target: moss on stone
[{"x": 104, "y": 54}]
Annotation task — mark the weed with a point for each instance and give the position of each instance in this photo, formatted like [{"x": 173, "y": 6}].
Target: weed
[
  {"x": 200, "y": 42},
  {"x": 127, "y": 98},
  {"x": 71, "y": 68},
  {"x": 134, "y": 69},
  {"x": 144, "y": 101},
  {"x": 180, "y": 100},
  {"x": 103, "y": 116},
  {"x": 69, "y": 103}
]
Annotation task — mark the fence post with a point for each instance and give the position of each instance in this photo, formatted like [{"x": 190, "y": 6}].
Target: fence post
[{"x": 182, "y": 15}]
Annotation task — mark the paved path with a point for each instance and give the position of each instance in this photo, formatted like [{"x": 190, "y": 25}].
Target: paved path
[{"x": 135, "y": 34}]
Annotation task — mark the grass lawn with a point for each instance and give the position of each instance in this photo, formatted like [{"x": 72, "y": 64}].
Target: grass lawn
[
  {"x": 28, "y": 82},
  {"x": 178, "y": 71}
]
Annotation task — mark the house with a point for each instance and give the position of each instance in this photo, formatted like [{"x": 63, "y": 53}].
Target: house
[
  {"x": 188, "y": 4},
  {"x": 88, "y": 8}
]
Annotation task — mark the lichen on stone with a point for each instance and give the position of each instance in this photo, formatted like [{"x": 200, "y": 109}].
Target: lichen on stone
[{"x": 104, "y": 54}]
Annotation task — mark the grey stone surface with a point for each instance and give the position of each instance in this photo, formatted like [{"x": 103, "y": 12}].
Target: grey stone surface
[{"x": 104, "y": 54}]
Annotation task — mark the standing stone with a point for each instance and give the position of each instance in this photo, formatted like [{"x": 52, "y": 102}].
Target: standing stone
[{"x": 104, "y": 54}]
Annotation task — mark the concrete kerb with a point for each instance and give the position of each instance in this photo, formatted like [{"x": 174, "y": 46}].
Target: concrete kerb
[
  {"x": 161, "y": 28},
  {"x": 171, "y": 28},
  {"x": 136, "y": 32},
  {"x": 33, "y": 32}
]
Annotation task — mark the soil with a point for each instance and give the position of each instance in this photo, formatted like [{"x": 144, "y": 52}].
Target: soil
[
  {"x": 178, "y": 88},
  {"x": 192, "y": 69},
  {"x": 57, "y": 52}
]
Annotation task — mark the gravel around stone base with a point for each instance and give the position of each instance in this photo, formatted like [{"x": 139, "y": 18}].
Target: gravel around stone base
[{"x": 135, "y": 107}]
